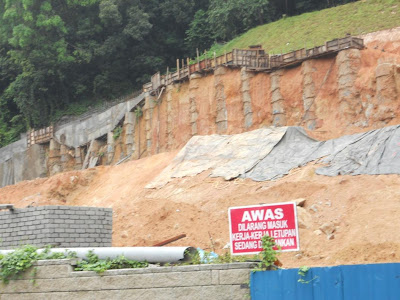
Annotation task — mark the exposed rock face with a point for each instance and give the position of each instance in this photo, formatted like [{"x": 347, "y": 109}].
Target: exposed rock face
[
  {"x": 78, "y": 158},
  {"x": 129, "y": 127},
  {"x": 193, "y": 86},
  {"x": 277, "y": 100},
  {"x": 386, "y": 74},
  {"x": 222, "y": 114},
  {"x": 54, "y": 161},
  {"x": 260, "y": 86},
  {"x": 352, "y": 92},
  {"x": 309, "y": 95},
  {"x": 150, "y": 103},
  {"x": 245, "y": 77},
  {"x": 110, "y": 147},
  {"x": 348, "y": 62},
  {"x": 169, "y": 118}
]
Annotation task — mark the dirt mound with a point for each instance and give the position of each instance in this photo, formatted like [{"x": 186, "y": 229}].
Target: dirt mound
[{"x": 365, "y": 210}]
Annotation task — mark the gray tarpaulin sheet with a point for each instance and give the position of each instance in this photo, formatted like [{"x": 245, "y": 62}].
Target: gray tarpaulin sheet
[
  {"x": 82, "y": 131},
  {"x": 270, "y": 153}
]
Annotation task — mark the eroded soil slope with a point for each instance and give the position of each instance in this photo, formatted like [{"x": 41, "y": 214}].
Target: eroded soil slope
[{"x": 365, "y": 209}]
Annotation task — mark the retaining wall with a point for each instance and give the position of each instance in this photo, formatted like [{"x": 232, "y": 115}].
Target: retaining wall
[
  {"x": 14, "y": 160},
  {"x": 82, "y": 131},
  {"x": 63, "y": 226},
  {"x": 18, "y": 162},
  {"x": 55, "y": 279}
]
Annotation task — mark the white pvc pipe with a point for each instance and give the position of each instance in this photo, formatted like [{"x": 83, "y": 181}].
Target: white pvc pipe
[{"x": 149, "y": 254}]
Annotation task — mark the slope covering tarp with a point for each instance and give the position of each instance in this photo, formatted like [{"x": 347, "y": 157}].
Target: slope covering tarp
[
  {"x": 270, "y": 153},
  {"x": 82, "y": 131}
]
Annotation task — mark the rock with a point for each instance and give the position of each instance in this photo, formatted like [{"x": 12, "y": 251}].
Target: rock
[
  {"x": 314, "y": 208},
  {"x": 330, "y": 236},
  {"x": 300, "y": 202},
  {"x": 72, "y": 179},
  {"x": 316, "y": 257},
  {"x": 304, "y": 219},
  {"x": 299, "y": 256},
  {"x": 317, "y": 232},
  {"x": 328, "y": 228},
  {"x": 227, "y": 246}
]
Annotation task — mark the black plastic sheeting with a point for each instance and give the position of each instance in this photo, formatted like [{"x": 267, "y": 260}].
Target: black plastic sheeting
[{"x": 270, "y": 153}]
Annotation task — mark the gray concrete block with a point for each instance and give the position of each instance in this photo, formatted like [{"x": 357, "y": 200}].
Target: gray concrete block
[{"x": 234, "y": 276}]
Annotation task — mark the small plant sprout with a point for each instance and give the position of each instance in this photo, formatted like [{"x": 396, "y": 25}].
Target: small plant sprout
[
  {"x": 117, "y": 132},
  {"x": 268, "y": 255},
  {"x": 303, "y": 273},
  {"x": 138, "y": 113}
]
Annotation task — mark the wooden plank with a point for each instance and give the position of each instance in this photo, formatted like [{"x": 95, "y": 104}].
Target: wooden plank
[
  {"x": 156, "y": 81},
  {"x": 86, "y": 161},
  {"x": 177, "y": 68},
  {"x": 169, "y": 241},
  {"x": 93, "y": 162},
  {"x": 198, "y": 59}
]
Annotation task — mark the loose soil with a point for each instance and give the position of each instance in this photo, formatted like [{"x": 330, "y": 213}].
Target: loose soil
[{"x": 365, "y": 209}]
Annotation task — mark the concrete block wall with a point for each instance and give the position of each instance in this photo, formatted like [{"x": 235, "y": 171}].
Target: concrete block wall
[
  {"x": 55, "y": 279},
  {"x": 63, "y": 226}
]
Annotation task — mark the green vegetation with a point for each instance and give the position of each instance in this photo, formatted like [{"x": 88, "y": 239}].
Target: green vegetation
[
  {"x": 93, "y": 263},
  {"x": 62, "y": 56},
  {"x": 117, "y": 132},
  {"x": 266, "y": 258},
  {"x": 15, "y": 263},
  {"x": 12, "y": 265},
  {"x": 138, "y": 113},
  {"x": 314, "y": 28},
  {"x": 268, "y": 254},
  {"x": 303, "y": 273}
]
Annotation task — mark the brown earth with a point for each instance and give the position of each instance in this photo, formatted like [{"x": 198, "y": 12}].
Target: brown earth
[{"x": 364, "y": 209}]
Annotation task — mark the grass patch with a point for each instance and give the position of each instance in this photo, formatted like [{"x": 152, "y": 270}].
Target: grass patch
[{"x": 314, "y": 28}]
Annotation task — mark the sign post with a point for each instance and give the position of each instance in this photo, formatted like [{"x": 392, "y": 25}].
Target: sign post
[{"x": 248, "y": 224}]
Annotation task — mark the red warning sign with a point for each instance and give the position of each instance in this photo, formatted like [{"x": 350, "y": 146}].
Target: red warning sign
[{"x": 248, "y": 224}]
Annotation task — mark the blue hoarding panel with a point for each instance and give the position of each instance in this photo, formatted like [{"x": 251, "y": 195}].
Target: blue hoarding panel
[{"x": 374, "y": 282}]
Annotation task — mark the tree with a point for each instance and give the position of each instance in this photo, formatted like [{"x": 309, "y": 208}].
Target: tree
[
  {"x": 199, "y": 34},
  {"x": 229, "y": 18}
]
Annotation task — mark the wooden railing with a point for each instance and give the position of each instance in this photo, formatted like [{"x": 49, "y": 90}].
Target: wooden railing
[
  {"x": 40, "y": 136},
  {"x": 253, "y": 59}
]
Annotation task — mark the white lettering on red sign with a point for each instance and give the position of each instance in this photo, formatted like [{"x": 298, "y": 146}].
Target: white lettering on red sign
[{"x": 248, "y": 224}]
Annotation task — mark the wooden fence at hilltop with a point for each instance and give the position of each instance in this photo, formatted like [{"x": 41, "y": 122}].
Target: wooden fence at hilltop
[{"x": 254, "y": 59}]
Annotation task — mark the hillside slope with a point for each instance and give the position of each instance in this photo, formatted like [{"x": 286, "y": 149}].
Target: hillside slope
[
  {"x": 312, "y": 29},
  {"x": 364, "y": 209}
]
